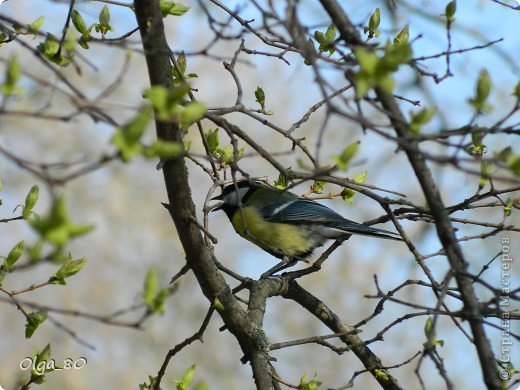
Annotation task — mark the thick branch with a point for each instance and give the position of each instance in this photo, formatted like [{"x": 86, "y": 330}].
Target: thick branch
[
  {"x": 182, "y": 210},
  {"x": 321, "y": 311},
  {"x": 445, "y": 230}
]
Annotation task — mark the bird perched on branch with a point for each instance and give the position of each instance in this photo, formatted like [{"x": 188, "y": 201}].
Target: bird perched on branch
[{"x": 284, "y": 224}]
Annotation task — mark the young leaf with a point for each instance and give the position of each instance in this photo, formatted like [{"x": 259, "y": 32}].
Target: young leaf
[
  {"x": 35, "y": 26},
  {"x": 212, "y": 139},
  {"x": 12, "y": 76},
  {"x": 260, "y": 97},
  {"x": 165, "y": 150},
  {"x": 34, "y": 320},
  {"x": 373, "y": 24},
  {"x": 187, "y": 378},
  {"x": 402, "y": 37},
  {"x": 421, "y": 118},
  {"x": 282, "y": 182},
  {"x": 516, "y": 93},
  {"x": 478, "y": 148},
  {"x": 79, "y": 23},
  {"x": 508, "y": 206},
  {"x": 150, "y": 287},
  {"x": 104, "y": 16},
  {"x": 56, "y": 227},
  {"x": 317, "y": 187},
  {"x": 451, "y": 7},
  {"x": 68, "y": 269},
  {"x": 172, "y": 8},
  {"x": 30, "y": 201},
  {"x": 218, "y": 305},
  {"x": 13, "y": 256},
  {"x": 342, "y": 160},
  {"x": 482, "y": 92},
  {"x": 127, "y": 138},
  {"x": 330, "y": 34}
]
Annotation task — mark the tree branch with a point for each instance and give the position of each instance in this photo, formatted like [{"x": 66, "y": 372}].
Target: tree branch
[
  {"x": 198, "y": 256},
  {"x": 439, "y": 213}
]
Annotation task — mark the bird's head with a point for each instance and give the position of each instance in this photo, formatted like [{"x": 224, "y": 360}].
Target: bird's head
[{"x": 236, "y": 194}]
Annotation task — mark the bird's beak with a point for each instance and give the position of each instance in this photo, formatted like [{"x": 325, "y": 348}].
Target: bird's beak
[{"x": 217, "y": 206}]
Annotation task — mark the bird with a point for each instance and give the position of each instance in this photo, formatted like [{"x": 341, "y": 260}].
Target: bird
[{"x": 284, "y": 224}]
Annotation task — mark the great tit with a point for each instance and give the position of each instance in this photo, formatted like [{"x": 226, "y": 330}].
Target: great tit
[{"x": 283, "y": 224}]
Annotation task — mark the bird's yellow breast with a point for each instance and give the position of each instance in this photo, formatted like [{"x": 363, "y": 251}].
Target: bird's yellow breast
[{"x": 274, "y": 237}]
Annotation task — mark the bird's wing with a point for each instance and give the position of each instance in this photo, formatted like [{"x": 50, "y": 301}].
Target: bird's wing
[
  {"x": 300, "y": 210},
  {"x": 305, "y": 211}
]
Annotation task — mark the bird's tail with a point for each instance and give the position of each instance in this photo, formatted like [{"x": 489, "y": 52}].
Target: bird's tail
[{"x": 356, "y": 228}]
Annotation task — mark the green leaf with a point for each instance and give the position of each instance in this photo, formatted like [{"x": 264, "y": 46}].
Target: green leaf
[
  {"x": 429, "y": 332},
  {"x": 366, "y": 77},
  {"x": 150, "y": 287},
  {"x": 367, "y": 60},
  {"x": 485, "y": 173},
  {"x": 212, "y": 139},
  {"x": 348, "y": 195},
  {"x": 326, "y": 40},
  {"x": 104, "y": 16},
  {"x": 402, "y": 37},
  {"x": 395, "y": 55},
  {"x": 478, "y": 148},
  {"x": 260, "y": 97},
  {"x": 191, "y": 113},
  {"x": 504, "y": 154},
  {"x": 68, "y": 269},
  {"x": 360, "y": 177},
  {"x": 79, "y": 23},
  {"x": 104, "y": 26},
  {"x": 227, "y": 155},
  {"x": 331, "y": 32},
  {"x": 49, "y": 49},
  {"x": 482, "y": 92},
  {"x": 514, "y": 165},
  {"x": 373, "y": 24},
  {"x": 181, "y": 62},
  {"x": 320, "y": 37},
  {"x": 342, "y": 160},
  {"x": 56, "y": 227},
  {"x": 187, "y": 378},
  {"x": 375, "y": 19},
  {"x": 516, "y": 93},
  {"x": 13, "y": 256},
  {"x": 127, "y": 139},
  {"x": 306, "y": 384},
  {"x": 172, "y": 8},
  {"x": 34, "y": 320},
  {"x": 167, "y": 101},
  {"x": 451, "y": 7},
  {"x": 421, "y": 118},
  {"x": 317, "y": 187},
  {"x": 35, "y": 26},
  {"x": 12, "y": 76},
  {"x": 41, "y": 365},
  {"x": 381, "y": 375},
  {"x": 311, "y": 49},
  {"x": 165, "y": 150},
  {"x": 283, "y": 181},
  {"x": 508, "y": 207},
  {"x": 218, "y": 305},
  {"x": 30, "y": 201}
]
